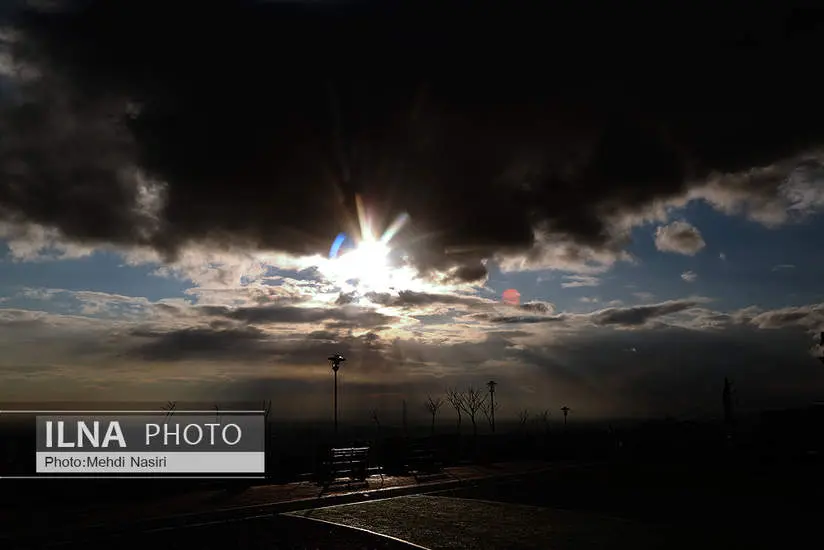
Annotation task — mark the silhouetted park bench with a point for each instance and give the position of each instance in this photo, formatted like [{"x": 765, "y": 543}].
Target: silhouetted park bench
[
  {"x": 351, "y": 462},
  {"x": 422, "y": 460}
]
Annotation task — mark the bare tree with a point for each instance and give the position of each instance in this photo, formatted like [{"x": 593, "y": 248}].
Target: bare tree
[
  {"x": 489, "y": 408},
  {"x": 523, "y": 418},
  {"x": 473, "y": 400},
  {"x": 376, "y": 419},
  {"x": 456, "y": 399},
  {"x": 543, "y": 419},
  {"x": 432, "y": 405}
]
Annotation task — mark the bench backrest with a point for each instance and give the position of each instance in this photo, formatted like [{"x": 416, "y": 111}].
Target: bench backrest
[
  {"x": 353, "y": 459},
  {"x": 352, "y": 452}
]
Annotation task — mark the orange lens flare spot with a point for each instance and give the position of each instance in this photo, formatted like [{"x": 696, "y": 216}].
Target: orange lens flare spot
[{"x": 511, "y": 297}]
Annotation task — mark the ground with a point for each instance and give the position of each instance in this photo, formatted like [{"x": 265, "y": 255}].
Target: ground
[{"x": 672, "y": 506}]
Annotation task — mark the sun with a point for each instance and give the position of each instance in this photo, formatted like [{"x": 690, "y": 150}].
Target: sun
[
  {"x": 367, "y": 266},
  {"x": 370, "y": 257},
  {"x": 372, "y": 262}
]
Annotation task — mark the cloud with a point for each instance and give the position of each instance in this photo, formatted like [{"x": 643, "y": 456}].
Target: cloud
[
  {"x": 614, "y": 315},
  {"x": 722, "y": 256},
  {"x": 520, "y": 319},
  {"x": 538, "y": 307},
  {"x": 782, "y": 267},
  {"x": 773, "y": 193},
  {"x": 31, "y": 242},
  {"x": 262, "y": 315},
  {"x": 689, "y": 276},
  {"x": 410, "y": 299},
  {"x": 644, "y": 296},
  {"x": 679, "y": 237},
  {"x": 810, "y": 316},
  {"x": 196, "y": 351},
  {"x": 639, "y": 315},
  {"x": 200, "y": 343},
  {"x": 575, "y": 281},
  {"x": 161, "y": 145}
]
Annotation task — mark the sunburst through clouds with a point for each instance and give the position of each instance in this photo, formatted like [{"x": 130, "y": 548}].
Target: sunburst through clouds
[{"x": 367, "y": 266}]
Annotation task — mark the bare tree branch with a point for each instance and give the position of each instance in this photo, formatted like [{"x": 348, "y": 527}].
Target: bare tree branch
[
  {"x": 543, "y": 419},
  {"x": 523, "y": 417},
  {"x": 472, "y": 402},
  {"x": 432, "y": 405},
  {"x": 456, "y": 399}
]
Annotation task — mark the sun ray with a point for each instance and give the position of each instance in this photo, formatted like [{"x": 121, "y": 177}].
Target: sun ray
[
  {"x": 364, "y": 221},
  {"x": 394, "y": 228}
]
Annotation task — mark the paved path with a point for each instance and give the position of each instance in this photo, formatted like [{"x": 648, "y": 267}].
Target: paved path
[
  {"x": 212, "y": 505},
  {"x": 270, "y": 532},
  {"x": 456, "y": 523}
]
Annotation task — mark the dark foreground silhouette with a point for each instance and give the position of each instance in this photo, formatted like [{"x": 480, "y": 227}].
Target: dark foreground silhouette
[{"x": 698, "y": 484}]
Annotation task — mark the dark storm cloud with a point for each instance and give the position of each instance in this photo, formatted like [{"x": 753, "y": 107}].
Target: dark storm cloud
[
  {"x": 411, "y": 299},
  {"x": 264, "y": 119},
  {"x": 613, "y": 316},
  {"x": 639, "y": 315},
  {"x": 219, "y": 342},
  {"x": 521, "y": 319},
  {"x": 346, "y": 298},
  {"x": 537, "y": 313},
  {"x": 468, "y": 273},
  {"x": 356, "y": 316},
  {"x": 537, "y": 307},
  {"x": 200, "y": 343}
]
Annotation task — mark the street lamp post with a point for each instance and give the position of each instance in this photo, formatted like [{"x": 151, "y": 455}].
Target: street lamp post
[
  {"x": 491, "y": 384},
  {"x": 336, "y": 360}
]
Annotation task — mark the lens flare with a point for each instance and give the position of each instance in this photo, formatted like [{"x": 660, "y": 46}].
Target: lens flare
[
  {"x": 339, "y": 240},
  {"x": 511, "y": 297}
]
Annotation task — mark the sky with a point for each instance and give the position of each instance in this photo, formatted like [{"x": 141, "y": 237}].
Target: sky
[{"x": 604, "y": 213}]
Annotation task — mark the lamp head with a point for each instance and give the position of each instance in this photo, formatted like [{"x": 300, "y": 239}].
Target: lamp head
[{"x": 336, "y": 360}]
